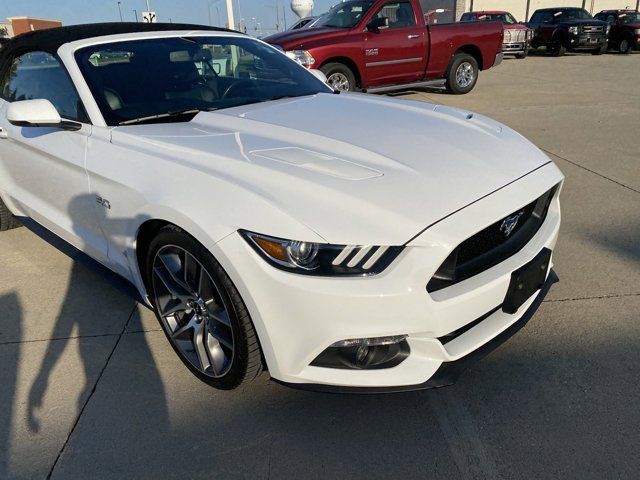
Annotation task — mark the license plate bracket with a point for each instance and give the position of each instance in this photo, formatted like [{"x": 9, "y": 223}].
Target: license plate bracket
[{"x": 527, "y": 280}]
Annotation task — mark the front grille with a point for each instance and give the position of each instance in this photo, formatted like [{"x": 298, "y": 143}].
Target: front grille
[
  {"x": 513, "y": 36},
  {"x": 592, "y": 29},
  {"x": 492, "y": 245}
]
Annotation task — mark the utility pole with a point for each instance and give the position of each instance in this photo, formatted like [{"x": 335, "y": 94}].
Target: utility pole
[
  {"x": 229, "y": 14},
  {"x": 284, "y": 18},
  {"x": 135, "y": 12},
  {"x": 120, "y": 11}
]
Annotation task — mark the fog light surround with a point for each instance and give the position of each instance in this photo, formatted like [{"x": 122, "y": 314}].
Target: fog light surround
[{"x": 365, "y": 353}]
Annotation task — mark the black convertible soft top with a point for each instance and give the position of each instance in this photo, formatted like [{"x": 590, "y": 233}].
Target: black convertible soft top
[{"x": 51, "y": 39}]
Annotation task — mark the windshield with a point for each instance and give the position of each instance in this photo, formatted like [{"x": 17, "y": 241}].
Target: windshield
[
  {"x": 505, "y": 18},
  {"x": 171, "y": 79},
  {"x": 571, "y": 14},
  {"x": 344, "y": 15},
  {"x": 629, "y": 17}
]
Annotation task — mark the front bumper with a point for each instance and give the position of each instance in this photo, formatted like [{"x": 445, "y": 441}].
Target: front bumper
[
  {"x": 511, "y": 48},
  {"x": 298, "y": 317},
  {"x": 587, "y": 42},
  {"x": 498, "y": 60}
]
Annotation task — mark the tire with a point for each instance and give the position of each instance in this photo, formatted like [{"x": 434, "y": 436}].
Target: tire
[
  {"x": 625, "y": 46},
  {"x": 523, "y": 54},
  {"x": 209, "y": 308},
  {"x": 602, "y": 50},
  {"x": 462, "y": 74},
  {"x": 558, "y": 50},
  {"x": 339, "y": 76},
  {"x": 7, "y": 220}
]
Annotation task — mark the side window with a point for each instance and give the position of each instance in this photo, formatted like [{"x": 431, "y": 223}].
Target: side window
[
  {"x": 39, "y": 75},
  {"x": 400, "y": 14},
  {"x": 537, "y": 17}
]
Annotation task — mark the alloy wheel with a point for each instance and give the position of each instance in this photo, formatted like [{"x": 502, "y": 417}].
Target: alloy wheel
[
  {"x": 339, "y": 81},
  {"x": 193, "y": 311},
  {"x": 464, "y": 74}
]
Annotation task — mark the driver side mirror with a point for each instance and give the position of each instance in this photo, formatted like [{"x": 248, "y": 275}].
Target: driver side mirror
[
  {"x": 378, "y": 23},
  {"x": 38, "y": 113}
]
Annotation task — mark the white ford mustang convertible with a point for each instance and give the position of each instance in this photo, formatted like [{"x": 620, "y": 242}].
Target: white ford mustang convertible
[{"x": 342, "y": 242}]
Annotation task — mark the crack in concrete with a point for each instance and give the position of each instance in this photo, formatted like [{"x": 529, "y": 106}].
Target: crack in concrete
[
  {"x": 596, "y": 297},
  {"x": 95, "y": 385},
  {"x": 591, "y": 171}
]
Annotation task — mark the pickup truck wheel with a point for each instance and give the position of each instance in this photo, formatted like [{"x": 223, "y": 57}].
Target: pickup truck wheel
[
  {"x": 201, "y": 311},
  {"x": 339, "y": 76},
  {"x": 625, "y": 46},
  {"x": 7, "y": 220},
  {"x": 557, "y": 50},
  {"x": 601, "y": 50},
  {"x": 462, "y": 74}
]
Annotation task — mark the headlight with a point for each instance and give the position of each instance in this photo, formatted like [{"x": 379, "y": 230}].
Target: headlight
[
  {"x": 637, "y": 30},
  {"x": 608, "y": 29},
  {"x": 573, "y": 30},
  {"x": 303, "y": 57},
  {"x": 322, "y": 259},
  {"x": 529, "y": 34}
]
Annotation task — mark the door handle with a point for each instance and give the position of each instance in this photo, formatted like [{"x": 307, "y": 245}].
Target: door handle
[
  {"x": 3, "y": 133},
  {"x": 413, "y": 36}
]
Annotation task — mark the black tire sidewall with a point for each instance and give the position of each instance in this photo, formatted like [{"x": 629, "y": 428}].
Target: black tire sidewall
[
  {"x": 623, "y": 50},
  {"x": 175, "y": 236},
  {"x": 7, "y": 220},
  {"x": 334, "y": 67},
  {"x": 452, "y": 85}
]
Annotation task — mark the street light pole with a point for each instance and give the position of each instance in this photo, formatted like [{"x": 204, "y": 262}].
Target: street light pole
[
  {"x": 120, "y": 11},
  {"x": 135, "y": 12}
]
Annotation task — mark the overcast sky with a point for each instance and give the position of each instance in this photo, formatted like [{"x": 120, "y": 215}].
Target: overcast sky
[{"x": 188, "y": 11}]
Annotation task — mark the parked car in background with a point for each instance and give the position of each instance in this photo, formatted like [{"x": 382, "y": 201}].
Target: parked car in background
[
  {"x": 303, "y": 23},
  {"x": 378, "y": 46},
  {"x": 516, "y": 35},
  {"x": 624, "y": 35},
  {"x": 565, "y": 29},
  {"x": 344, "y": 242}
]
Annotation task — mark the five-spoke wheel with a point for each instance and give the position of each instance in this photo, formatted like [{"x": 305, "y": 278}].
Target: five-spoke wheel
[{"x": 201, "y": 311}]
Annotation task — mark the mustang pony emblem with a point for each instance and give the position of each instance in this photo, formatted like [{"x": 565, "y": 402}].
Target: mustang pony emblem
[{"x": 509, "y": 223}]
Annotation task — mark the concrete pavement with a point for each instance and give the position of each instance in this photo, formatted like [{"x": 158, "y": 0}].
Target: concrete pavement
[{"x": 89, "y": 387}]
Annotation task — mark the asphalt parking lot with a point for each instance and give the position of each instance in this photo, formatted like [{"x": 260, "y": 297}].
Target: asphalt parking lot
[{"x": 90, "y": 388}]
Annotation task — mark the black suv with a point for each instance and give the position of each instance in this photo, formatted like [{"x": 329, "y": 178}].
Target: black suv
[{"x": 574, "y": 29}]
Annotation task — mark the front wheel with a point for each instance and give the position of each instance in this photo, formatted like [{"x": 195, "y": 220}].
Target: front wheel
[
  {"x": 625, "y": 46},
  {"x": 558, "y": 50},
  {"x": 201, "y": 311},
  {"x": 462, "y": 74},
  {"x": 339, "y": 76},
  {"x": 522, "y": 54},
  {"x": 601, "y": 50},
  {"x": 7, "y": 220}
]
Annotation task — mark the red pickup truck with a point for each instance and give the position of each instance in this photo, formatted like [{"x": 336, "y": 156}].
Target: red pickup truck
[{"x": 377, "y": 45}]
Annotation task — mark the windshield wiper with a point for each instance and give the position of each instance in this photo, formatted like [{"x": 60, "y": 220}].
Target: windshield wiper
[{"x": 178, "y": 113}]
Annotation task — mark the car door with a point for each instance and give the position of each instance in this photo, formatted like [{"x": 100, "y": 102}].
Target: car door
[
  {"x": 42, "y": 169},
  {"x": 397, "y": 53}
]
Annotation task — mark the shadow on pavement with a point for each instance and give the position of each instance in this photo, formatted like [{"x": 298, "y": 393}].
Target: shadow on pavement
[{"x": 10, "y": 320}]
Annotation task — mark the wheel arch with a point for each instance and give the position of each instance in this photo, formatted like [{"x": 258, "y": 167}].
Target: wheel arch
[
  {"x": 347, "y": 62},
  {"x": 472, "y": 50}
]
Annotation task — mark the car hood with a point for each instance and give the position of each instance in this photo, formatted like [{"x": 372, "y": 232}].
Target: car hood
[
  {"x": 583, "y": 21},
  {"x": 293, "y": 39},
  {"x": 517, "y": 26},
  {"x": 355, "y": 168}
]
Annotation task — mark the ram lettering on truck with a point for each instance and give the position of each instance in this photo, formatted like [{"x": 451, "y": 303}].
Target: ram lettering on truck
[{"x": 376, "y": 46}]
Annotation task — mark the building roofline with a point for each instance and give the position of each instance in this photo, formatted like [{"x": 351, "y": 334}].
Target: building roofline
[{"x": 35, "y": 18}]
